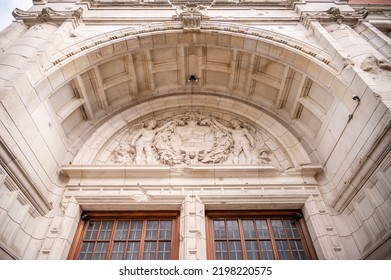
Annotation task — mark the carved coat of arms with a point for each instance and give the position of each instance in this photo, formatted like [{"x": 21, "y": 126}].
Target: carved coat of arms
[{"x": 193, "y": 138}]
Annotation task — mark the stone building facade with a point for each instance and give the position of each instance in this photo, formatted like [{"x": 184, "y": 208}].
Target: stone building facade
[{"x": 210, "y": 112}]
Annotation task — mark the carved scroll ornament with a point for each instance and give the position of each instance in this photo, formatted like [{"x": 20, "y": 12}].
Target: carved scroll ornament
[
  {"x": 193, "y": 138},
  {"x": 48, "y": 15}
]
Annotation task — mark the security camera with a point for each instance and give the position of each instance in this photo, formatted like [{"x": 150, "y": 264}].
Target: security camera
[{"x": 356, "y": 98}]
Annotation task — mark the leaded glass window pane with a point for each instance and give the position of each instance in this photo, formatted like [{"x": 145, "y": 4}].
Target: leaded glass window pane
[
  {"x": 297, "y": 250},
  {"x": 263, "y": 230},
  {"x": 100, "y": 250},
  {"x": 219, "y": 229},
  {"x": 149, "y": 251},
  {"x": 235, "y": 250},
  {"x": 233, "y": 229},
  {"x": 132, "y": 250},
  {"x": 152, "y": 230},
  {"x": 278, "y": 229},
  {"x": 164, "y": 251},
  {"x": 136, "y": 228},
  {"x": 252, "y": 250},
  {"x": 249, "y": 237},
  {"x": 283, "y": 250},
  {"x": 267, "y": 250},
  {"x": 221, "y": 250},
  {"x": 249, "y": 229}
]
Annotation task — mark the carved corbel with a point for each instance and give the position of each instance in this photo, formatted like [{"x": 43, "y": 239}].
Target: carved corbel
[
  {"x": 191, "y": 16},
  {"x": 31, "y": 18}
]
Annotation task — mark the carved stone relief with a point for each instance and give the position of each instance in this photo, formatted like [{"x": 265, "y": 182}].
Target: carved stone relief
[
  {"x": 191, "y": 16},
  {"x": 378, "y": 68},
  {"x": 193, "y": 138}
]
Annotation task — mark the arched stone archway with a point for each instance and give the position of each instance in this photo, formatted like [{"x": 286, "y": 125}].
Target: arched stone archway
[{"x": 69, "y": 107}]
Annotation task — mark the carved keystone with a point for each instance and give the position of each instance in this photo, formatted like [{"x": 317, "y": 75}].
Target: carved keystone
[{"x": 191, "y": 16}]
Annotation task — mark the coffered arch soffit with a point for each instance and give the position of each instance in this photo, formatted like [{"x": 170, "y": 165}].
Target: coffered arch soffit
[{"x": 287, "y": 78}]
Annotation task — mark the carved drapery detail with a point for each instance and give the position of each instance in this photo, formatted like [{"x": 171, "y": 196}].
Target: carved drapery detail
[
  {"x": 191, "y": 16},
  {"x": 48, "y": 15},
  {"x": 193, "y": 138}
]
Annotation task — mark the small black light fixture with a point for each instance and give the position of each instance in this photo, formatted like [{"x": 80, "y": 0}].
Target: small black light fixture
[
  {"x": 298, "y": 216},
  {"x": 192, "y": 79},
  {"x": 85, "y": 217}
]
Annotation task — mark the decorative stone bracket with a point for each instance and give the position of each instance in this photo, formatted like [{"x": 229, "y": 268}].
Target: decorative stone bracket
[
  {"x": 334, "y": 14},
  {"x": 191, "y": 16},
  {"x": 31, "y": 18}
]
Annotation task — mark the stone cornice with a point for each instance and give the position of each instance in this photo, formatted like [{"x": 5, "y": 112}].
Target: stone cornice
[
  {"x": 31, "y": 18},
  {"x": 195, "y": 175}
]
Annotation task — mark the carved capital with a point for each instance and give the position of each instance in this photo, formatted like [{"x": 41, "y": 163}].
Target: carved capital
[
  {"x": 334, "y": 14},
  {"x": 31, "y": 18},
  {"x": 191, "y": 16}
]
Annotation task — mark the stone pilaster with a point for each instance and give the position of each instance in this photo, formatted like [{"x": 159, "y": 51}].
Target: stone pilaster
[{"x": 192, "y": 229}]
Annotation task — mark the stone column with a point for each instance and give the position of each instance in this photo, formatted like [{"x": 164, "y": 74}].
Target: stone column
[{"x": 192, "y": 229}]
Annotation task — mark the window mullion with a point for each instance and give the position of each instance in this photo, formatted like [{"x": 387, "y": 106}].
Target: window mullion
[
  {"x": 111, "y": 240},
  {"x": 142, "y": 239},
  {"x": 157, "y": 240},
  {"x": 274, "y": 245},
  {"x": 227, "y": 239},
  {"x": 96, "y": 239},
  {"x": 242, "y": 239},
  {"x": 287, "y": 239},
  {"x": 258, "y": 241}
]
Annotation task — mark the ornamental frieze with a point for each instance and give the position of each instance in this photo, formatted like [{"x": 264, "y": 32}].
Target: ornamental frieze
[{"x": 193, "y": 138}]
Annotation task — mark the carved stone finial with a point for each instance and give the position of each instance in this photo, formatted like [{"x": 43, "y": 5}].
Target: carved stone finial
[
  {"x": 48, "y": 15},
  {"x": 191, "y": 16}
]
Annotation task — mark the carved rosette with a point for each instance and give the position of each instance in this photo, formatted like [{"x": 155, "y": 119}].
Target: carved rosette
[{"x": 193, "y": 138}]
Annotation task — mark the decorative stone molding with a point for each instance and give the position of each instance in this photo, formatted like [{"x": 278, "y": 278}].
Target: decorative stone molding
[
  {"x": 334, "y": 14},
  {"x": 192, "y": 228},
  {"x": 191, "y": 16},
  {"x": 31, "y": 18}
]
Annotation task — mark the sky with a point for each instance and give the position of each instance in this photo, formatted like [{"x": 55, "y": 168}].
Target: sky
[{"x": 6, "y": 8}]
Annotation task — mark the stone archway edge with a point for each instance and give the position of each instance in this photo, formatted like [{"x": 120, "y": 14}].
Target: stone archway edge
[{"x": 64, "y": 56}]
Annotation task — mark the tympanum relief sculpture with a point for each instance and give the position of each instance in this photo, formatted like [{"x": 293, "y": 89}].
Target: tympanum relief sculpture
[{"x": 193, "y": 138}]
